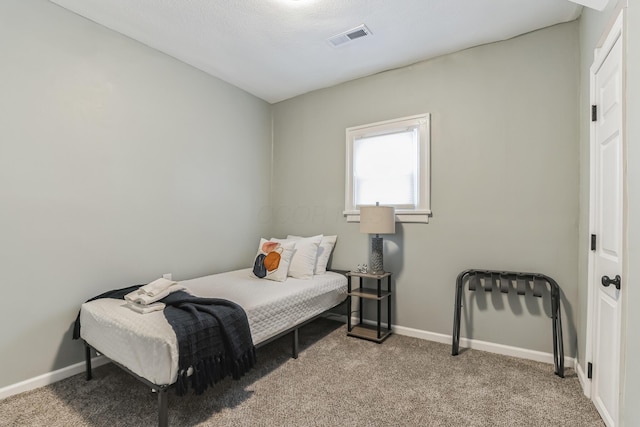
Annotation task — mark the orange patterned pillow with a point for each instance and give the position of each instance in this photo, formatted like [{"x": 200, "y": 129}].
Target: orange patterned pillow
[{"x": 272, "y": 260}]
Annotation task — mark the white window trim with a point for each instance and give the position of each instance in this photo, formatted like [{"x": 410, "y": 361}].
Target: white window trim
[{"x": 422, "y": 212}]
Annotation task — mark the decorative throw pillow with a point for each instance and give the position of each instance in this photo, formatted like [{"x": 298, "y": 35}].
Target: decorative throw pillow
[
  {"x": 273, "y": 259},
  {"x": 303, "y": 262},
  {"x": 324, "y": 252}
]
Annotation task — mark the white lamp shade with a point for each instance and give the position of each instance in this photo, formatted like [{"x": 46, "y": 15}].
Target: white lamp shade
[{"x": 377, "y": 219}]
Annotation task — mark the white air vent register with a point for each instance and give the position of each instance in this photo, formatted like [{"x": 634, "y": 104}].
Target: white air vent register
[{"x": 349, "y": 35}]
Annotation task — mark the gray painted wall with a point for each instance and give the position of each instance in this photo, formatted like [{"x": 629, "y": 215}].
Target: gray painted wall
[
  {"x": 117, "y": 164},
  {"x": 504, "y": 180}
]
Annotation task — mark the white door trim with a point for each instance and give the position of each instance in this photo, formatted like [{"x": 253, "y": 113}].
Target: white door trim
[{"x": 600, "y": 54}]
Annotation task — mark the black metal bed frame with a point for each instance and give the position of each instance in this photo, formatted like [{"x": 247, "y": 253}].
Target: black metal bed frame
[
  {"x": 163, "y": 403},
  {"x": 523, "y": 280}
]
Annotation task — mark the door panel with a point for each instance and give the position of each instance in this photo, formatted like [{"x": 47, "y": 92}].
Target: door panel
[
  {"x": 610, "y": 220},
  {"x": 607, "y": 387}
]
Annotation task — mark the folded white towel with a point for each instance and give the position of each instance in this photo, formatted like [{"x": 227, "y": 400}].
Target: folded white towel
[
  {"x": 144, "y": 309},
  {"x": 140, "y": 297},
  {"x": 157, "y": 286},
  {"x": 132, "y": 296}
]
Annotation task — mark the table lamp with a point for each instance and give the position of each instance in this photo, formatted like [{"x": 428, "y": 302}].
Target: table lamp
[{"x": 377, "y": 220}]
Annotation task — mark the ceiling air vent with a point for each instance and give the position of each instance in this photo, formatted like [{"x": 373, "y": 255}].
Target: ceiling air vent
[{"x": 349, "y": 35}]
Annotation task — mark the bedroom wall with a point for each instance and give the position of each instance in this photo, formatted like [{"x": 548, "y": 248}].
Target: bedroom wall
[
  {"x": 505, "y": 192},
  {"x": 117, "y": 164}
]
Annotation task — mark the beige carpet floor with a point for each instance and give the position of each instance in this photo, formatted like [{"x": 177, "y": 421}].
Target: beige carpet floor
[{"x": 336, "y": 381}]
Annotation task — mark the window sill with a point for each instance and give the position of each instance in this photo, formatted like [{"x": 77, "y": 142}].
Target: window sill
[{"x": 421, "y": 217}]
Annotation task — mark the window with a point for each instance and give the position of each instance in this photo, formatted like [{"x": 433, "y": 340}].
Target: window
[{"x": 388, "y": 162}]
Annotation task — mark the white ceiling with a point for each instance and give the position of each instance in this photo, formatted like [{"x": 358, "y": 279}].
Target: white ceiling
[{"x": 277, "y": 49}]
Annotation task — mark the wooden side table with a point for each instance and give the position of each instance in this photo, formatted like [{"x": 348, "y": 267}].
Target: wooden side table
[{"x": 369, "y": 332}]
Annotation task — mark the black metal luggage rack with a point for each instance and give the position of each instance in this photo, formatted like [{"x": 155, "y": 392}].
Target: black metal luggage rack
[{"x": 504, "y": 280}]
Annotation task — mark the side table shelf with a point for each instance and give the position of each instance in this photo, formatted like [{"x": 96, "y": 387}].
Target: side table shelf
[{"x": 375, "y": 332}]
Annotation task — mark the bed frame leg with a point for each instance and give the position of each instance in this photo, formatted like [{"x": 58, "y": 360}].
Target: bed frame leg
[
  {"x": 163, "y": 407},
  {"x": 87, "y": 360},
  {"x": 294, "y": 344}
]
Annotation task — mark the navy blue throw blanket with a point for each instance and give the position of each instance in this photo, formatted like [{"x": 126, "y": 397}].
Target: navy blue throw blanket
[{"x": 214, "y": 340}]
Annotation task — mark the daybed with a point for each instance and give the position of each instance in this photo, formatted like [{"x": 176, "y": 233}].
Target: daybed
[{"x": 145, "y": 345}]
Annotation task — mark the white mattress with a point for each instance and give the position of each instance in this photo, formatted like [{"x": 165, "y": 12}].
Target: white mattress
[{"x": 146, "y": 343}]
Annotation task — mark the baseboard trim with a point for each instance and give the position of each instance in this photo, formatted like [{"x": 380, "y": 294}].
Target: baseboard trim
[
  {"x": 584, "y": 381},
  {"x": 507, "y": 350},
  {"x": 522, "y": 353},
  {"x": 50, "y": 377}
]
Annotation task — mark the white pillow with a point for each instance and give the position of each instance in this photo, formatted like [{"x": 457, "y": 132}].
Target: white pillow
[
  {"x": 303, "y": 262},
  {"x": 324, "y": 252},
  {"x": 272, "y": 260}
]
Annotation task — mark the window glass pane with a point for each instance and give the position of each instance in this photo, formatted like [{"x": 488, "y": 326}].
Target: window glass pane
[{"x": 385, "y": 169}]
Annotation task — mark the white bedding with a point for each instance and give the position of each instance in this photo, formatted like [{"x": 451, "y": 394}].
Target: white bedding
[{"x": 146, "y": 343}]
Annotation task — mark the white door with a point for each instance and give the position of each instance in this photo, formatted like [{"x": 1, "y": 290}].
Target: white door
[{"x": 607, "y": 222}]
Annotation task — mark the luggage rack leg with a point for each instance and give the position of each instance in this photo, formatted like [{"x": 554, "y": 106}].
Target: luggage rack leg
[
  {"x": 455, "y": 347},
  {"x": 558, "y": 349}
]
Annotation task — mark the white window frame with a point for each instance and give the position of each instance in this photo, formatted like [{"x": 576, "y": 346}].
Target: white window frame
[{"x": 422, "y": 122}]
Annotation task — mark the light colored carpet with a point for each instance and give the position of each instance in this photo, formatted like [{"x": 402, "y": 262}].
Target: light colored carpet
[{"x": 337, "y": 380}]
